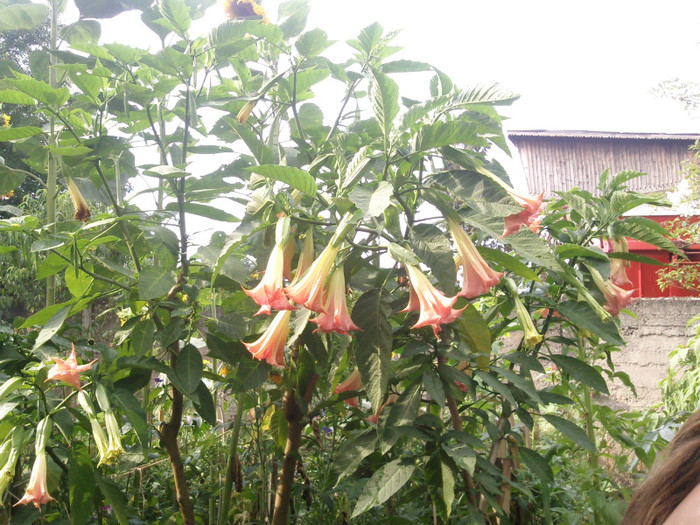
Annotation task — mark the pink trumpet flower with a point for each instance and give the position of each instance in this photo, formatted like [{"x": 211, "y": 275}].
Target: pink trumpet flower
[
  {"x": 527, "y": 216},
  {"x": 616, "y": 298},
  {"x": 478, "y": 275},
  {"x": 308, "y": 290},
  {"x": 374, "y": 418},
  {"x": 269, "y": 293},
  {"x": 306, "y": 256},
  {"x": 352, "y": 384},
  {"x": 37, "y": 492},
  {"x": 435, "y": 309},
  {"x": 270, "y": 346},
  {"x": 335, "y": 316},
  {"x": 68, "y": 371},
  {"x": 618, "y": 273}
]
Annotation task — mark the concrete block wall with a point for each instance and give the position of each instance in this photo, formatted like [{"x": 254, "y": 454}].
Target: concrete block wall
[{"x": 659, "y": 327}]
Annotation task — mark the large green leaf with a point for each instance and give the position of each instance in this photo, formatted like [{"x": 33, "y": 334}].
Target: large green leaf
[
  {"x": 383, "y": 484},
  {"x": 294, "y": 177},
  {"x": 177, "y": 14},
  {"x": 537, "y": 464},
  {"x": 22, "y": 16},
  {"x": 474, "y": 331},
  {"x": 373, "y": 345},
  {"x": 135, "y": 414},
  {"x": 312, "y": 43},
  {"x": 41, "y": 91},
  {"x": 11, "y": 133},
  {"x": 81, "y": 484},
  {"x": 351, "y": 454},
  {"x": 405, "y": 410},
  {"x": 581, "y": 314},
  {"x": 155, "y": 282},
  {"x": 434, "y": 387},
  {"x": 372, "y": 203},
  {"x": 463, "y": 455},
  {"x": 11, "y": 96},
  {"x": 10, "y": 179},
  {"x": 581, "y": 371},
  {"x": 384, "y": 95},
  {"x": 114, "y": 496},
  {"x": 572, "y": 431},
  {"x": 204, "y": 210},
  {"x": 205, "y": 404},
  {"x": 444, "y": 134},
  {"x": 440, "y": 479},
  {"x": 81, "y": 32},
  {"x": 52, "y": 326},
  {"x": 433, "y": 248},
  {"x": 646, "y": 230},
  {"x": 189, "y": 368}
]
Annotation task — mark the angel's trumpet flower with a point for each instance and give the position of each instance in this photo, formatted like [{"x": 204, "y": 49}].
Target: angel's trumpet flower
[
  {"x": 270, "y": 346},
  {"x": 352, "y": 384},
  {"x": 434, "y": 307},
  {"x": 335, "y": 316},
  {"x": 478, "y": 277}
]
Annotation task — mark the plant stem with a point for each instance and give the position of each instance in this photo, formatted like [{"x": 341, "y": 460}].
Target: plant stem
[
  {"x": 51, "y": 182},
  {"x": 231, "y": 465}
]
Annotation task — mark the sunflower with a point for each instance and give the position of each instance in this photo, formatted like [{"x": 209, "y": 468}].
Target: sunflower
[
  {"x": 4, "y": 120},
  {"x": 245, "y": 9}
]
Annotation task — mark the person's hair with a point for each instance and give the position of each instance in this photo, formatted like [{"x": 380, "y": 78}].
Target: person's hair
[{"x": 668, "y": 485}]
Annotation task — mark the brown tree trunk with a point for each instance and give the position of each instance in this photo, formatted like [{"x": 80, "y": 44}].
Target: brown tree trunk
[{"x": 168, "y": 439}]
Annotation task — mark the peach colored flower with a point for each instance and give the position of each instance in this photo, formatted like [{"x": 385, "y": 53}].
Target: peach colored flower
[
  {"x": 478, "y": 277},
  {"x": 335, "y": 316},
  {"x": 306, "y": 256},
  {"x": 37, "y": 492},
  {"x": 270, "y": 346},
  {"x": 68, "y": 371},
  {"x": 616, "y": 298},
  {"x": 374, "y": 418},
  {"x": 618, "y": 272},
  {"x": 308, "y": 290},
  {"x": 435, "y": 309},
  {"x": 352, "y": 384},
  {"x": 269, "y": 293},
  {"x": 525, "y": 217}
]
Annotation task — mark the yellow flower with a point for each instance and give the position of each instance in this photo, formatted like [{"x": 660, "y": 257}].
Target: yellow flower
[
  {"x": 245, "y": 9},
  {"x": 245, "y": 111},
  {"x": 82, "y": 212},
  {"x": 5, "y": 119},
  {"x": 8, "y": 195}
]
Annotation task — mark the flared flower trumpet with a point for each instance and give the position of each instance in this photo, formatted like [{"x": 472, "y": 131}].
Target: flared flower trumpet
[
  {"x": 352, "y": 384},
  {"x": 245, "y": 9},
  {"x": 269, "y": 293},
  {"x": 618, "y": 273},
  {"x": 478, "y": 277},
  {"x": 335, "y": 316},
  {"x": 108, "y": 454},
  {"x": 114, "y": 445},
  {"x": 308, "y": 290},
  {"x": 616, "y": 298},
  {"x": 69, "y": 370},
  {"x": 433, "y": 306},
  {"x": 37, "y": 492},
  {"x": 527, "y": 216},
  {"x": 270, "y": 346},
  {"x": 80, "y": 205}
]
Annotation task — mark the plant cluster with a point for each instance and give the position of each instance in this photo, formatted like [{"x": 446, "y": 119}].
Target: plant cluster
[{"x": 356, "y": 345}]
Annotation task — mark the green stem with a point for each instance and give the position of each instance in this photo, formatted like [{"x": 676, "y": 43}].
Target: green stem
[
  {"x": 231, "y": 464},
  {"x": 51, "y": 178}
]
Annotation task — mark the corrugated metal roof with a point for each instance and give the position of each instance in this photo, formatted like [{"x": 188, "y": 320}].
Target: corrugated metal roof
[{"x": 515, "y": 134}]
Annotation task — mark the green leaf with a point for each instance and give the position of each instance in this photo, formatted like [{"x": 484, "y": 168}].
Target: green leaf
[
  {"x": 142, "y": 337},
  {"x": 434, "y": 387},
  {"x": 433, "y": 248},
  {"x": 581, "y": 314},
  {"x": 114, "y": 497},
  {"x": 155, "y": 282},
  {"x": 440, "y": 480},
  {"x": 135, "y": 414},
  {"x": 10, "y": 96},
  {"x": 402, "y": 255},
  {"x": 572, "y": 431},
  {"x": 443, "y": 134},
  {"x": 22, "y": 16},
  {"x": 10, "y": 179},
  {"x": 581, "y": 371},
  {"x": 294, "y": 177},
  {"x": 81, "y": 484},
  {"x": 405, "y": 409},
  {"x": 178, "y": 14},
  {"x": 351, "y": 454},
  {"x": 495, "y": 384},
  {"x": 373, "y": 345},
  {"x": 372, "y": 203},
  {"x": 189, "y": 368},
  {"x": 405, "y": 66},
  {"x": 52, "y": 326},
  {"x": 463, "y": 455},
  {"x": 312, "y": 43},
  {"x": 205, "y": 407},
  {"x": 509, "y": 262},
  {"x": 383, "y": 484},
  {"x": 81, "y": 32},
  {"x": 537, "y": 464},
  {"x": 384, "y": 95},
  {"x": 41, "y": 91},
  {"x": 474, "y": 331},
  {"x": 204, "y": 210},
  {"x": 11, "y": 133},
  {"x": 646, "y": 230},
  {"x": 636, "y": 258},
  {"x": 356, "y": 168},
  {"x": 568, "y": 251}
]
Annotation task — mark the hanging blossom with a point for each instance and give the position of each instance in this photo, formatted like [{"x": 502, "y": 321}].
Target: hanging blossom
[
  {"x": 526, "y": 217},
  {"x": 306, "y": 256},
  {"x": 37, "y": 491},
  {"x": 269, "y": 293},
  {"x": 478, "y": 277},
  {"x": 352, "y": 384},
  {"x": 270, "y": 346},
  {"x": 530, "y": 333},
  {"x": 10, "y": 450},
  {"x": 435, "y": 309},
  {"x": 245, "y": 9},
  {"x": 616, "y": 298},
  {"x": 109, "y": 449},
  {"x": 308, "y": 290},
  {"x": 618, "y": 267},
  {"x": 80, "y": 205},
  {"x": 335, "y": 316},
  {"x": 68, "y": 370},
  {"x": 374, "y": 418}
]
